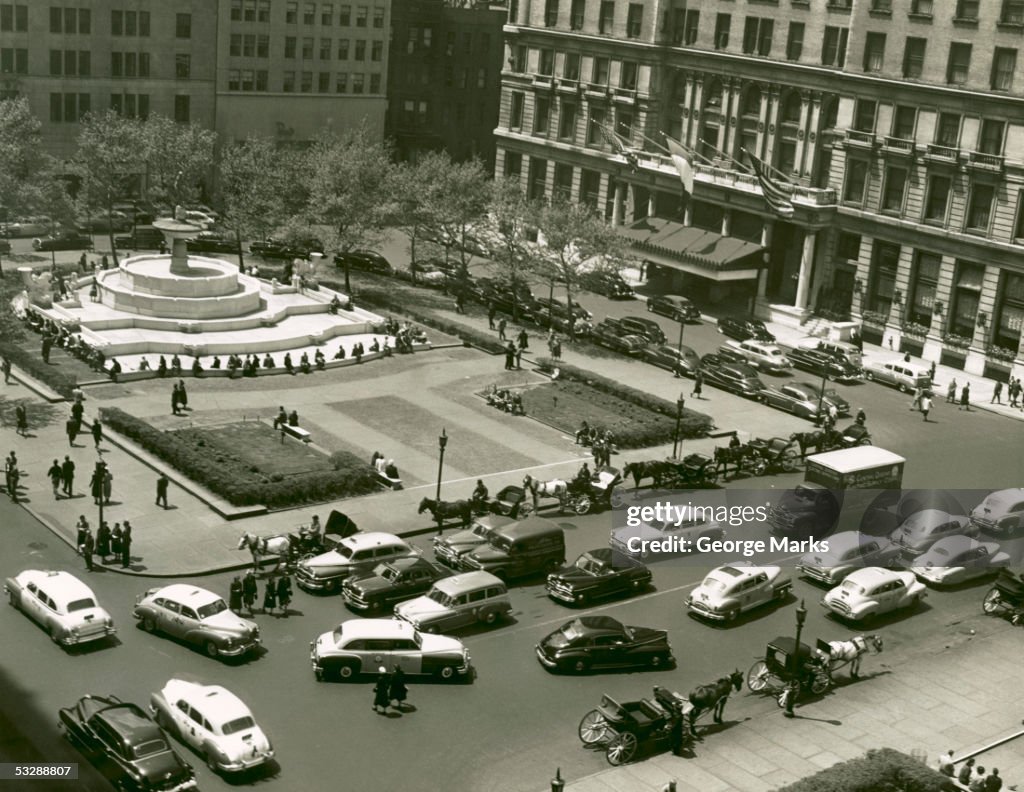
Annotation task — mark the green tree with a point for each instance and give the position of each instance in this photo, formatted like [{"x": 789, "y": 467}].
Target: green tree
[
  {"x": 457, "y": 206},
  {"x": 178, "y": 158},
  {"x": 349, "y": 191},
  {"x": 414, "y": 186},
  {"x": 511, "y": 218}
]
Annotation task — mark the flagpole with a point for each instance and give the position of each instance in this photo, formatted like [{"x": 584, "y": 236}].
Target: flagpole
[
  {"x": 691, "y": 151},
  {"x": 731, "y": 159}
]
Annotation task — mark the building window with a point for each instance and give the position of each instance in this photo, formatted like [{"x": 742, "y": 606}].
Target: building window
[
  {"x": 306, "y": 85},
  {"x": 513, "y": 164},
  {"x": 634, "y": 20},
  {"x": 904, "y": 121},
  {"x": 937, "y": 199},
  {"x": 921, "y": 7},
  {"x": 550, "y": 13},
  {"x": 236, "y": 10},
  {"x": 263, "y": 11},
  {"x": 307, "y": 48},
  {"x": 289, "y": 46},
  {"x": 1013, "y": 12},
  {"x": 375, "y": 84},
  {"x": 874, "y": 52},
  {"x": 590, "y": 188},
  {"x": 378, "y": 18},
  {"x": 345, "y": 16},
  {"x": 722, "y": 24},
  {"x": 990, "y": 141},
  {"x": 182, "y": 108},
  {"x": 288, "y": 82},
  {"x": 323, "y": 82},
  {"x": 856, "y": 180},
  {"x": 326, "y": 45},
  {"x": 515, "y": 112},
  {"x": 567, "y": 121},
  {"x": 263, "y": 46},
  {"x": 884, "y": 262},
  {"x": 235, "y": 44},
  {"x": 341, "y": 83},
  {"x": 342, "y": 49},
  {"x": 116, "y": 64},
  {"x": 481, "y": 77},
  {"x": 291, "y": 12},
  {"x": 261, "y": 79},
  {"x": 183, "y": 27},
  {"x": 967, "y": 10},
  {"x": 624, "y": 123},
  {"x": 360, "y": 54},
  {"x": 607, "y": 17},
  {"x": 571, "y": 69},
  {"x": 959, "y": 64},
  {"x": 966, "y": 295},
  {"x": 600, "y": 72},
  {"x": 1004, "y": 64},
  {"x": 895, "y": 185},
  {"x": 519, "y": 59},
  {"x": 864, "y": 115},
  {"x": 376, "y": 50},
  {"x": 595, "y": 133},
  {"x": 921, "y": 302},
  {"x": 538, "y": 178},
  {"x": 1010, "y": 312},
  {"x": 546, "y": 62},
  {"x": 13, "y": 61},
  {"x": 248, "y": 45},
  {"x": 234, "y": 78},
  {"x": 627, "y": 76},
  {"x": 833, "y": 50},
  {"x": 362, "y": 14},
  {"x": 576, "y": 14},
  {"x": 757, "y": 35},
  {"x": 947, "y": 130},
  {"x": 913, "y": 58},
  {"x": 562, "y": 188},
  {"x": 848, "y": 246},
  {"x": 795, "y": 41},
  {"x": 979, "y": 209},
  {"x": 691, "y": 25}
]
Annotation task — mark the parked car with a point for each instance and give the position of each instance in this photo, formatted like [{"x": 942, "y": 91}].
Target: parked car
[
  {"x": 821, "y": 362},
  {"x": 63, "y": 240},
  {"x": 603, "y": 642},
  {"x": 800, "y": 401},
  {"x": 62, "y": 605},
  {"x": 681, "y": 361},
  {"x": 278, "y": 249},
  {"x": 209, "y": 242},
  {"x": 728, "y": 591},
  {"x": 360, "y": 552},
  {"x": 1001, "y": 513},
  {"x": 104, "y": 222},
  {"x": 674, "y": 306},
  {"x": 897, "y": 373},
  {"x": 142, "y": 239},
  {"x": 847, "y": 552},
  {"x": 365, "y": 261},
  {"x": 552, "y": 306},
  {"x": 610, "y": 334},
  {"x": 458, "y": 601},
  {"x": 924, "y": 528},
  {"x": 743, "y": 328},
  {"x": 428, "y": 273},
  {"x": 198, "y": 617},
  {"x": 139, "y": 212},
  {"x": 201, "y": 219},
  {"x": 733, "y": 377},
  {"x": 766, "y": 357},
  {"x": 595, "y": 574},
  {"x": 957, "y": 559},
  {"x": 841, "y": 351},
  {"x": 610, "y": 284},
  {"x": 130, "y": 746},
  {"x": 5, "y": 247},
  {"x": 647, "y": 329},
  {"x": 449, "y": 548},
  {"x": 830, "y": 397},
  {"x": 530, "y": 546},
  {"x": 635, "y": 541},
  {"x": 37, "y": 225},
  {"x": 213, "y": 722},
  {"x": 390, "y": 583},
  {"x": 359, "y": 646},
  {"x": 870, "y": 592}
]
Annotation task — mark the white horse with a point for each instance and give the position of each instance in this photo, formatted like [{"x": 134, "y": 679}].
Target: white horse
[
  {"x": 556, "y": 488},
  {"x": 279, "y": 546},
  {"x": 851, "y": 651}
]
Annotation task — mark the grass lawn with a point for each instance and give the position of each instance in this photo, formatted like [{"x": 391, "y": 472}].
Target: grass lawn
[{"x": 565, "y": 404}]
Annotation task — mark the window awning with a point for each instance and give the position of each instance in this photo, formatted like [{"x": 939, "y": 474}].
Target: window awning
[{"x": 694, "y": 250}]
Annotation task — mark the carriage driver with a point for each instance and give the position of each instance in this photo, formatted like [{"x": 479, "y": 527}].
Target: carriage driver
[
  {"x": 583, "y": 433},
  {"x": 583, "y": 477},
  {"x": 311, "y": 536},
  {"x": 480, "y": 494},
  {"x": 735, "y": 442}
]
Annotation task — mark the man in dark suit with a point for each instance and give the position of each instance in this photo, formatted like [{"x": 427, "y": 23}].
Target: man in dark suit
[
  {"x": 88, "y": 547},
  {"x": 67, "y": 474},
  {"x": 126, "y": 545}
]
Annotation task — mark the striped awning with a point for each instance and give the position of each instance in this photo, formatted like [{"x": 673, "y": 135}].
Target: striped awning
[{"x": 707, "y": 252}]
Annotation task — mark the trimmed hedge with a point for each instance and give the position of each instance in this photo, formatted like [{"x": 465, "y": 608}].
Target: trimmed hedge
[
  {"x": 34, "y": 366},
  {"x": 879, "y": 770},
  {"x": 693, "y": 424},
  {"x": 233, "y": 480}
]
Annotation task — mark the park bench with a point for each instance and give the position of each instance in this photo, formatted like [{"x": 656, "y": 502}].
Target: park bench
[{"x": 297, "y": 432}]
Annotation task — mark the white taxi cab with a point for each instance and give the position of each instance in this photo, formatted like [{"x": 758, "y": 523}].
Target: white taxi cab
[{"x": 64, "y": 606}]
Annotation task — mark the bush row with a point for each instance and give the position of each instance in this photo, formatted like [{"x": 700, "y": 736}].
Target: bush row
[
  {"x": 34, "y": 366},
  {"x": 215, "y": 472},
  {"x": 693, "y": 423},
  {"x": 879, "y": 769}
]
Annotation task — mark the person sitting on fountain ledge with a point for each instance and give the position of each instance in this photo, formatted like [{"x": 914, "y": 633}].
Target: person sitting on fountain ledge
[
  {"x": 268, "y": 361},
  {"x": 375, "y": 346},
  {"x": 144, "y": 364},
  {"x": 340, "y": 354},
  {"x": 293, "y": 418},
  {"x": 335, "y": 304},
  {"x": 161, "y": 368},
  {"x": 115, "y": 370},
  {"x": 282, "y": 417},
  {"x": 304, "y": 363},
  {"x": 289, "y": 366},
  {"x": 320, "y": 360},
  {"x": 197, "y": 368},
  {"x": 176, "y": 366},
  {"x": 216, "y": 362},
  {"x": 390, "y": 470}
]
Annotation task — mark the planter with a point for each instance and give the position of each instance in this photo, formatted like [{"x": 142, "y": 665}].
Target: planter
[
  {"x": 872, "y": 334},
  {"x": 954, "y": 358},
  {"x": 997, "y": 370},
  {"x": 915, "y": 346}
]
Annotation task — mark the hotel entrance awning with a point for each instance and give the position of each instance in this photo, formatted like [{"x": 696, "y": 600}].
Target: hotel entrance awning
[{"x": 694, "y": 250}]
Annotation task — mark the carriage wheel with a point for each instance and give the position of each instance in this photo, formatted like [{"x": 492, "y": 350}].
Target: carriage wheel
[
  {"x": 820, "y": 683},
  {"x": 621, "y": 749},
  {"x": 757, "y": 676},
  {"x": 865, "y": 441},
  {"x": 582, "y": 504},
  {"x": 709, "y": 475},
  {"x": 593, "y": 728},
  {"x": 525, "y": 508},
  {"x": 758, "y": 466},
  {"x": 992, "y": 602},
  {"x": 789, "y": 460}
]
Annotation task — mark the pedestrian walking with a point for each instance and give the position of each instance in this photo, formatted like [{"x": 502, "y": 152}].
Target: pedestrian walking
[
  {"x": 235, "y": 595},
  {"x": 47, "y": 346},
  {"x": 96, "y": 483},
  {"x": 1014, "y": 391},
  {"x": 182, "y": 395},
  {"x": 88, "y": 546},
  {"x": 77, "y": 411},
  {"x": 382, "y": 692},
  {"x": 965, "y": 397},
  {"x": 115, "y": 540},
  {"x": 964, "y": 776},
  {"x": 397, "y": 691},
  {"x": 492, "y": 311},
  {"x": 502, "y": 324},
  {"x": 67, "y": 475},
  {"x": 951, "y": 393},
  {"x": 108, "y": 484},
  {"x": 103, "y": 541},
  {"x": 519, "y": 358},
  {"x": 55, "y": 475},
  {"x": 249, "y": 591},
  {"x": 698, "y": 384},
  {"x": 21, "y": 416},
  {"x": 97, "y": 433},
  {"x": 270, "y": 596},
  {"x": 997, "y": 394},
  {"x": 556, "y": 349},
  {"x": 81, "y": 528},
  {"x": 126, "y": 545},
  {"x": 71, "y": 427},
  {"x": 993, "y": 782},
  {"x": 284, "y": 593},
  {"x": 926, "y": 406},
  {"x": 175, "y": 400},
  {"x": 162, "y": 483},
  {"x": 510, "y": 357},
  {"x": 931, "y": 372},
  {"x": 524, "y": 339},
  {"x": 947, "y": 764},
  {"x": 6, "y": 368}
]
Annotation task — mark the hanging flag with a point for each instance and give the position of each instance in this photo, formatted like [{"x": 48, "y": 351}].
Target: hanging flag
[
  {"x": 614, "y": 140},
  {"x": 778, "y": 200},
  {"x": 681, "y": 159}
]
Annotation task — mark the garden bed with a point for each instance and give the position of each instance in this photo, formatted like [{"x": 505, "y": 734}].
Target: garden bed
[
  {"x": 879, "y": 769},
  {"x": 247, "y": 463}
]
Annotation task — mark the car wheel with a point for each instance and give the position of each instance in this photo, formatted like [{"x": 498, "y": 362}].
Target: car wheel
[
  {"x": 212, "y": 650},
  {"x": 903, "y": 388},
  {"x": 732, "y": 615},
  {"x": 55, "y": 634},
  {"x": 489, "y": 617},
  {"x": 657, "y": 661},
  {"x": 992, "y": 602},
  {"x": 581, "y": 665},
  {"x": 650, "y": 308},
  {"x": 332, "y": 586},
  {"x": 433, "y": 629},
  {"x": 720, "y": 330},
  {"x": 446, "y": 672},
  {"x": 868, "y": 376},
  {"x": 347, "y": 671},
  {"x": 149, "y": 624}
]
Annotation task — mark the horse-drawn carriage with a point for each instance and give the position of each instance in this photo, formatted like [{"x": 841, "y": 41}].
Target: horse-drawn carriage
[
  {"x": 580, "y": 495},
  {"x": 621, "y": 728},
  {"x": 292, "y": 547},
  {"x": 773, "y": 455},
  {"x": 693, "y": 470}
]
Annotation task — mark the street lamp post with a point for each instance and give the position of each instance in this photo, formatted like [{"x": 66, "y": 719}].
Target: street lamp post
[
  {"x": 442, "y": 441},
  {"x": 801, "y": 617},
  {"x": 821, "y": 392},
  {"x": 677, "y": 442}
]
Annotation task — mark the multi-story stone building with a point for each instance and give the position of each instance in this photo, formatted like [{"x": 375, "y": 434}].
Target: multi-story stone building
[
  {"x": 898, "y": 125},
  {"x": 444, "y": 77}
]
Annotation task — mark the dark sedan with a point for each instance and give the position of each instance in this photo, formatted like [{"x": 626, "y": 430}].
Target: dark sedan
[
  {"x": 391, "y": 583},
  {"x": 609, "y": 284},
  {"x": 555, "y": 307},
  {"x": 277, "y": 249},
  {"x": 365, "y": 261},
  {"x": 207, "y": 242},
  {"x": 602, "y": 642},
  {"x": 611, "y": 336},
  {"x": 796, "y": 399},
  {"x": 68, "y": 240},
  {"x": 830, "y": 397},
  {"x": 681, "y": 361},
  {"x": 818, "y": 362},
  {"x": 743, "y": 328},
  {"x": 142, "y": 239},
  {"x": 733, "y": 377},
  {"x": 674, "y": 306},
  {"x": 595, "y": 574}
]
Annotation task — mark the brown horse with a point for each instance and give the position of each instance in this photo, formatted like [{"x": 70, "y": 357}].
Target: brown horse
[
  {"x": 652, "y": 468},
  {"x": 713, "y": 697},
  {"x": 808, "y": 440},
  {"x": 441, "y": 510}
]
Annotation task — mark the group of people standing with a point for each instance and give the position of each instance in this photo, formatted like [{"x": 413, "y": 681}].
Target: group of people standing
[
  {"x": 179, "y": 398},
  {"x": 1014, "y": 389},
  {"x": 107, "y": 543},
  {"x": 971, "y": 775},
  {"x": 388, "y": 688},
  {"x": 245, "y": 591}
]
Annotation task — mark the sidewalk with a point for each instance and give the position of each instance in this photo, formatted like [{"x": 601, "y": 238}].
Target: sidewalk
[{"x": 938, "y": 697}]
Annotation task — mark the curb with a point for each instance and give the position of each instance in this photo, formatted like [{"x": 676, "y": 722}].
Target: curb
[{"x": 39, "y": 388}]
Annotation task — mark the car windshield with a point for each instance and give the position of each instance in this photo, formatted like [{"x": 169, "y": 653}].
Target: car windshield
[
  {"x": 481, "y": 530},
  {"x": 212, "y": 609},
  {"x": 239, "y": 724},
  {"x": 439, "y": 597},
  {"x": 852, "y": 587},
  {"x": 81, "y": 604},
  {"x": 501, "y": 543},
  {"x": 388, "y": 572},
  {"x": 344, "y": 551},
  {"x": 149, "y": 748}
]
